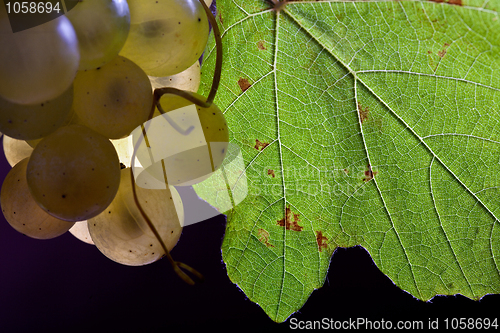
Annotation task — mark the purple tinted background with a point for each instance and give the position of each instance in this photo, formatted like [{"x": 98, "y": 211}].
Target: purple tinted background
[{"x": 65, "y": 285}]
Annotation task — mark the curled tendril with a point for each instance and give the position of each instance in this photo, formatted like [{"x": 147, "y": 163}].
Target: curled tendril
[
  {"x": 217, "y": 74},
  {"x": 180, "y": 267}
]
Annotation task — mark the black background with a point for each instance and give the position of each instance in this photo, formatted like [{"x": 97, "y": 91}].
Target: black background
[{"x": 65, "y": 285}]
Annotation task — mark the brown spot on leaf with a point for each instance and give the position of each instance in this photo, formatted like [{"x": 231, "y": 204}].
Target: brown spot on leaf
[
  {"x": 346, "y": 171},
  {"x": 290, "y": 221},
  {"x": 450, "y": 2},
  {"x": 259, "y": 145},
  {"x": 369, "y": 173},
  {"x": 321, "y": 240},
  {"x": 442, "y": 53},
  {"x": 271, "y": 172},
  {"x": 264, "y": 237},
  {"x": 363, "y": 113},
  {"x": 220, "y": 18},
  {"x": 244, "y": 84},
  {"x": 261, "y": 45}
]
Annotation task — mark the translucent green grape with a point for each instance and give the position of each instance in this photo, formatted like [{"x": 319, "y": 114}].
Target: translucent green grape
[
  {"x": 74, "y": 173},
  {"x": 102, "y": 27},
  {"x": 166, "y": 36},
  {"x": 37, "y": 64},
  {"x": 21, "y": 210},
  {"x": 114, "y": 99}
]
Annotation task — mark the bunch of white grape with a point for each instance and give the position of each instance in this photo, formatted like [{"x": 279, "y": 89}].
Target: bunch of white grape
[{"x": 77, "y": 98}]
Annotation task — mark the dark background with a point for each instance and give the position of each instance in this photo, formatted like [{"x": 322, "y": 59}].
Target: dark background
[{"x": 65, "y": 285}]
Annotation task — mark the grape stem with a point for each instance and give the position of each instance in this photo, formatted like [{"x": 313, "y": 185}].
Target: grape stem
[
  {"x": 217, "y": 74},
  {"x": 179, "y": 266}
]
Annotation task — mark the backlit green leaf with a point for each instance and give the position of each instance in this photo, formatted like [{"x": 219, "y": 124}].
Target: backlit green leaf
[{"x": 372, "y": 123}]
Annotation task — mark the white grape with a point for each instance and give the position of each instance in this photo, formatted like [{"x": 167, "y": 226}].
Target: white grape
[
  {"x": 15, "y": 150},
  {"x": 124, "y": 149},
  {"x": 114, "y": 99},
  {"x": 188, "y": 79},
  {"x": 81, "y": 231},
  {"x": 34, "y": 121},
  {"x": 166, "y": 36},
  {"x": 121, "y": 233},
  {"x": 37, "y": 64},
  {"x": 74, "y": 173},
  {"x": 201, "y": 140},
  {"x": 21, "y": 210},
  {"x": 102, "y": 27}
]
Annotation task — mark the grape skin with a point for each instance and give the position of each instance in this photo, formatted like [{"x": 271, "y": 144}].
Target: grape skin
[
  {"x": 21, "y": 210},
  {"x": 114, "y": 99},
  {"x": 15, "y": 150},
  {"x": 37, "y": 64},
  {"x": 31, "y": 122},
  {"x": 81, "y": 231},
  {"x": 102, "y": 27},
  {"x": 124, "y": 149},
  {"x": 74, "y": 173},
  {"x": 121, "y": 233},
  {"x": 188, "y": 79},
  {"x": 192, "y": 165},
  {"x": 166, "y": 36}
]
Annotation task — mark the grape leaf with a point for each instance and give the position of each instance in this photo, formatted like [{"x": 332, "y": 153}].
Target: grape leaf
[{"x": 371, "y": 123}]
